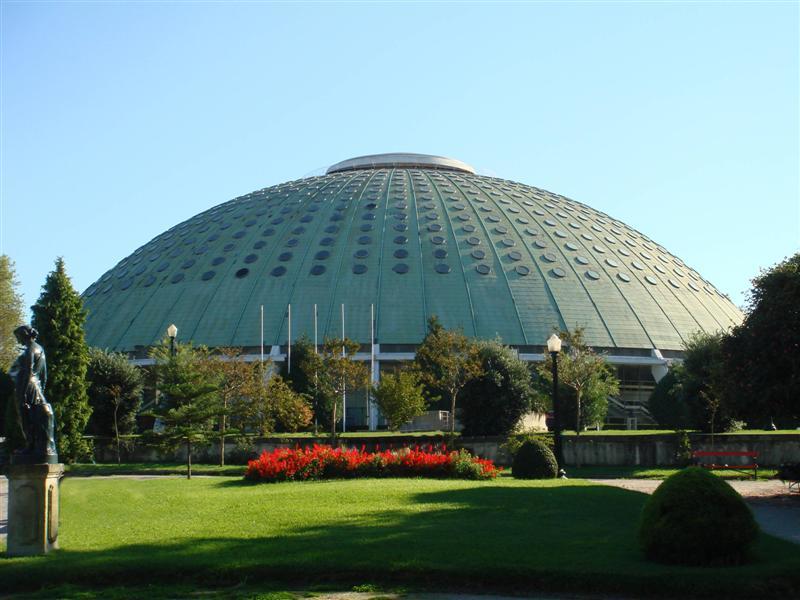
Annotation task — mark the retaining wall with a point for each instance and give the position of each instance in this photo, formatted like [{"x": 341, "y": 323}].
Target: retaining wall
[{"x": 657, "y": 450}]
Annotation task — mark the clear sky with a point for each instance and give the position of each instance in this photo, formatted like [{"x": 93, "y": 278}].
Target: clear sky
[{"x": 121, "y": 119}]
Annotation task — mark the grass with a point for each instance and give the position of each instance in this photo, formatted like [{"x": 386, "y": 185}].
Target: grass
[
  {"x": 91, "y": 470},
  {"x": 504, "y": 535},
  {"x": 592, "y": 472}
]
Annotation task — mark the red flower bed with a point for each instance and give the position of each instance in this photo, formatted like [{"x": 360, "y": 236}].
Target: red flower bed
[{"x": 325, "y": 462}]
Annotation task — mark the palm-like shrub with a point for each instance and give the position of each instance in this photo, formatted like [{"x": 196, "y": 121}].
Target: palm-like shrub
[
  {"x": 696, "y": 518},
  {"x": 534, "y": 460}
]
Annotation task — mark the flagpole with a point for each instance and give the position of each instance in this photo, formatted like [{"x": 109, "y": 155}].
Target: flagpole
[
  {"x": 371, "y": 364},
  {"x": 289, "y": 349},
  {"x": 262, "y": 333},
  {"x": 316, "y": 425},
  {"x": 344, "y": 393}
]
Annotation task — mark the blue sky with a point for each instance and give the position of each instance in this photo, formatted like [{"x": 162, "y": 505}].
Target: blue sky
[{"x": 121, "y": 119}]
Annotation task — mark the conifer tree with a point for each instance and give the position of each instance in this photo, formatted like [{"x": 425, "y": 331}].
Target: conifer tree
[
  {"x": 190, "y": 406},
  {"x": 59, "y": 316},
  {"x": 11, "y": 315}
]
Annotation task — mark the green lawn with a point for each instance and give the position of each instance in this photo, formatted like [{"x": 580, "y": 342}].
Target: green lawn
[
  {"x": 504, "y": 535},
  {"x": 611, "y": 472}
]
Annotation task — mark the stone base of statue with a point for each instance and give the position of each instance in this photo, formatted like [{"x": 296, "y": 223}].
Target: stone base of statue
[{"x": 33, "y": 503}]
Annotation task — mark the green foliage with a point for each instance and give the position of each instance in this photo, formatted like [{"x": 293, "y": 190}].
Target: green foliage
[
  {"x": 11, "y": 313},
  {"x": 587, "y": 374},
  {"x": 115, "y": 388},
  {"x": 399, "y": 397},
  {"x": 274, "y": 404},
  {"x": 304, "y": 379},
  {"x": 335, "y": 372},
  {"x": 534, "y": 460},
  {"x": 115, "y": 395},
  {"x": 494, "y": 402},
  {"x": 514, "y": 442},
  {"x": 696, "y": 518},
  {"x": 667, "y": 403},
  {"x": 447, "y": 361},
  {"x": 762, "y": 355},
  {"x": 9, "y": 421},
  {"x": 59, "y": 316},
  {"x": 701, "y": 380},
  {"x": 189, "y": 405},
  {"x": 683, "y": 452},
  {"x": 238, "y": 381}
]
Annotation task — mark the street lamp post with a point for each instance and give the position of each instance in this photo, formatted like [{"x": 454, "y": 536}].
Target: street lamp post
[
  {"x": 172, "y": 332},
  {"x": 554, "y": 347}
]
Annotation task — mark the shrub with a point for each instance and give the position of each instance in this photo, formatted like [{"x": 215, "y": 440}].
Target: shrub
[
  {"x": 696, "y": 518},
  {"x": 534, "y": 460},
  {"x": 325, "y": 462},
  {"x": 514, "y": 442},
  {"x": 494, "y": 402}
]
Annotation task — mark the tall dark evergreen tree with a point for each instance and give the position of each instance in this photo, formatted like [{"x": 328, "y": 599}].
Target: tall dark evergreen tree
[
  {"x": 762, "y": 355},
  {"x": 59, "y": 316}
]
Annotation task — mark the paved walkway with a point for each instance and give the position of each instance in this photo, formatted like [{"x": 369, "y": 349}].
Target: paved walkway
[{"x": 776, "y": 510}]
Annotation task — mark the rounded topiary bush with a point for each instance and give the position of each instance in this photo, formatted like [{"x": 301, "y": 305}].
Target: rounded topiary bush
[
  {"x": 696, "y": 518},
  {"x": 534, "y": 460}
]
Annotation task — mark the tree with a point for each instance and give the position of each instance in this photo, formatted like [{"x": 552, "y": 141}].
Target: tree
[
  {"x": 115, "y": 394},
  {"x": 702, "y": 381},
  {"x": 11, "y": 315},
  {"x": 762, "y": 355},
  {"x": 190, "y": 406},
  {"x": 275, "y": 404},
  {"x": 303, "y": 379},
  {"x": 399, "y": 397},
  {"x": 237, "y": 381},
  {"x": 9, "y": 422},
  {"x": 59, "y": 316},
  {"x": 586, "y": 373},
  {"x": 667, "y": 402},
  {"x": 337, "y": 373},
  {"x": 446, "y": 360},
  {"x": 494, "y": 402}
]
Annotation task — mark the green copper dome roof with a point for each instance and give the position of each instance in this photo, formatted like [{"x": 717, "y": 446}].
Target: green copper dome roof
[{"x": 415, "y": 236}]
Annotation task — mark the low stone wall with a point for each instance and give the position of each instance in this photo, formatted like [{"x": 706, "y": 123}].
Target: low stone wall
[
  {"x": 657, "y": 450},
  {"x": 660, "y": 450}
]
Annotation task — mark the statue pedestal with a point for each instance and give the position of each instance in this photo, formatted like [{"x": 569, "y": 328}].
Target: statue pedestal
[{"x": 33, "y": 508}]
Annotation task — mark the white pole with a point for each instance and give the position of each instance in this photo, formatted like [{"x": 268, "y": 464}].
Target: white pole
[
  {"x": 289, "y": 349},
  {"x": 315, "y": 329},
  {"x": 262, "y": 333},
  {"x": 371, "y": 364},
  {"x": 344, "y": 392},
  {"x": 315, "y": 373}
]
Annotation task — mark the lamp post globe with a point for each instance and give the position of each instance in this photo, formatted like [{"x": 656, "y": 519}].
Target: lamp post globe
[{"x": 172, "y": 333}]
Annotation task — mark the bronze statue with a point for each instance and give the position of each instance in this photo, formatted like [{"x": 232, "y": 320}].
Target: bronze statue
[{"x": 35, "y": 414}]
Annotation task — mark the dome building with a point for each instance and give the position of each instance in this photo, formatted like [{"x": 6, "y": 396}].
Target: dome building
[{"x": 403, "y": 237}]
